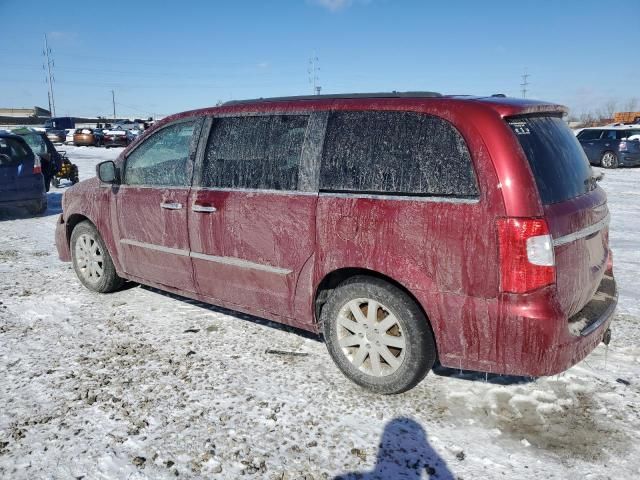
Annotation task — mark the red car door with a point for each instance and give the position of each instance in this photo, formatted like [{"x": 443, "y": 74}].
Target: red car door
[
  {"x": 252, "y": 218},
  {"x": 152, "y": 206}
]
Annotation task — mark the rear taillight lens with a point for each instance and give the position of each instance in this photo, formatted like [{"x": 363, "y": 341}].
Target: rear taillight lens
[
  {"x": 527, "y": 260},
  {"x": 37, "y": 165},
  {"x": 623, "y": 146}
]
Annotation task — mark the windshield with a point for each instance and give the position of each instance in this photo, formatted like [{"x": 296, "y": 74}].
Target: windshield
[{"x": 558, "y": 162}]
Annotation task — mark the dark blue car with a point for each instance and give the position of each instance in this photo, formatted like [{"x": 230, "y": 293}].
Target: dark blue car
[
  {"x": 21, "y": 179},
  {"x": 612, "y": 147}
]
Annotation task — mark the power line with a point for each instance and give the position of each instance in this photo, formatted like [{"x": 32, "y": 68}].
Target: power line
[{"x": 524, "y": 83}]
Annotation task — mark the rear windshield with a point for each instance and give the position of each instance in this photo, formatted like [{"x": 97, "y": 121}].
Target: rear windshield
[
  {"x": 558, "y": 162},
  {"x": 12, "y": 152}
]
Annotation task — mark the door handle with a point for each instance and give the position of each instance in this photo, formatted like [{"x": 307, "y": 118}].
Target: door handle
[
  {"x": 203, "y": 208},
  {"x": 171, "y": 206}
]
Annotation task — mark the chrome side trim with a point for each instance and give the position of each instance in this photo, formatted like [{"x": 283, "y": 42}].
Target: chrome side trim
[
  {"x": 159, "y": 248},
  {"x": 237, "y": 262},
  {"x": 412, "y": 198},
  {"x": 254, "y": 190},
  {"x": 585, "y": 232}
]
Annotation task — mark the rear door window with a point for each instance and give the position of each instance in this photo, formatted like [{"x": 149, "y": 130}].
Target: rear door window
[
  {"x": 255, "y": 152},
  {"x": 557, "y": 160},
  {"x": 396, "y": 153}
]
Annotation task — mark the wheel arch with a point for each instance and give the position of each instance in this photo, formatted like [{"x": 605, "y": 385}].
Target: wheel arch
[
  {"x": 73, "y": 220},
  {"x": 334, "y": 278}
]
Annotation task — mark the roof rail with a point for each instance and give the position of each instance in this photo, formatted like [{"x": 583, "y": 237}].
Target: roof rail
[{"x": 393, "y": 94}]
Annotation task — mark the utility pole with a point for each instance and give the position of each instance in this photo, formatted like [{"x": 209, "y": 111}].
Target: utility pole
[
  {"x": 50, "y": 78},
  {"x": 113, "y": 99},
  {"x": 524, "y": 83},
  {"x": 314, "y": 69}
]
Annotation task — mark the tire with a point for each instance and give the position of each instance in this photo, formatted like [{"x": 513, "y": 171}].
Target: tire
[
  {"x": 407, "y": 336},
  {"x": 609, "y": 160},
  {"x": 91, "y": 260},
  {"x": 39, "y": 207}
]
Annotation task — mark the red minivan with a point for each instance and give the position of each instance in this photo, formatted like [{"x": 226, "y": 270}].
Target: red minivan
[{"x": 405, "y": 227}]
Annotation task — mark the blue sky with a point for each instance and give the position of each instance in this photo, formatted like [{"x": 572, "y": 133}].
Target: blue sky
[{"x": 162, "y": 57}]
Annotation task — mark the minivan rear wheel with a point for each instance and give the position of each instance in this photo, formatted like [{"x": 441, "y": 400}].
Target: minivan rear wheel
[
  {"x": 609, "y": 160},
  {"x": 377, "y": 335},
  {"x": 92, "y": 261}
]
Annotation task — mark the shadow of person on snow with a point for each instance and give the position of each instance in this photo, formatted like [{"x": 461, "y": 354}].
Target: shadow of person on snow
[{"x": 404, "y": 454}]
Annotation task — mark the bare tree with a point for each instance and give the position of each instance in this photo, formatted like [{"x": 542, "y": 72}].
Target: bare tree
[
  {"x": 631, "y": 105},
  {"x": 610, "y": 108}
]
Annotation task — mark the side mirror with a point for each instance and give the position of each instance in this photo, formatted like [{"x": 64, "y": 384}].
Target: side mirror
[{"x": 107, "y": 172}]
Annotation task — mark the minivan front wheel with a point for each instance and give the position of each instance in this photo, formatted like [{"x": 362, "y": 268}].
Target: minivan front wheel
[
  {"x": 609, "y": 160},
  {"x": 377, "y": 335},
  {"x": 91, "y": 260}
]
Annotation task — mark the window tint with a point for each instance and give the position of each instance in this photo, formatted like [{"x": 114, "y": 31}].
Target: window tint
[
  {"x": 163, "y": 159},
  {"x": 589, "y": 134},
  {"x": 622, "y": 134},
  {"x": 395, "y": 153},
  {"x": 14, "y": 149},
  {"x": 261, "y": 152},
  {"x": 609, "y": 135},
  {"x": 558, "y": 162}
]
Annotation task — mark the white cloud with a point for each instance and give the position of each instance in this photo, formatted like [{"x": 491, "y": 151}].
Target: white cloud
[
  {"x": 57, "y": 35},
  {"x": 333, "y": 5}
]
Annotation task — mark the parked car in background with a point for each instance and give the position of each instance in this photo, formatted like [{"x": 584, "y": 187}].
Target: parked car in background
[
  {"x": 405, "y": 227},
  {"x": 57, "y": 136},
  {"x": 611, "y": 147},
  {"x": 117, "y": 138},
  {"x": 88, "y": 137},
  {"x": 21, "y": 179},
  {"x": 51, "y": 160},
  {"x": 69, "y": 136}
]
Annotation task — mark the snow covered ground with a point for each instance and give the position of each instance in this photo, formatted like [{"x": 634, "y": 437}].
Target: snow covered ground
[{"x": 140, "y": 384}]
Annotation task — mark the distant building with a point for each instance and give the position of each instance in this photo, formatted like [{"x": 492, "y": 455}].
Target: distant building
[
  {"x": 37, "y": 112},
  {"x": 626, "y": 117}
]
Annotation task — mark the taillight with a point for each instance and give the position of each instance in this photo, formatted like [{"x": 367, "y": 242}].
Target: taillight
[
  {"x": 623, "y": 147},
  {"x": 527, "y": 261},
  {"x": 37, "y": 165}
]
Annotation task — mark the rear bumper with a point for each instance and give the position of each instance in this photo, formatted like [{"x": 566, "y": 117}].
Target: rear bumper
[
  {"x": 629, "y": 159},
  {"x": 546, "y": 342},
  {"x": 526, "y": 335},
  {"x": 25, "y": 199},
  {"x": 62, "y": 245}
]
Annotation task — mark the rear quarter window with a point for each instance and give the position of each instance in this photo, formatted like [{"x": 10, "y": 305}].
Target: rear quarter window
[
  {"x": 557, "y": 160},
  {"x": 397, "y": 153}
]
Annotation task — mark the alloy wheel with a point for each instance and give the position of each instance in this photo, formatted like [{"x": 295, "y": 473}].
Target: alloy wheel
[
  {"x": 89, "y": 258},
  {"x": 371, "y": 337}
]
